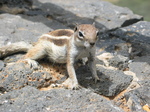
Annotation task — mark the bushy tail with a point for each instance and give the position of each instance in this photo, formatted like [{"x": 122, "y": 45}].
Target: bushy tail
[{"x": 14, "y": 48}]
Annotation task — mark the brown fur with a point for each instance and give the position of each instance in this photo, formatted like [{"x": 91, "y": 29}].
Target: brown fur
[
  {"x": 61, "y": 32},
  {"x": 37, "y": 49},
  {"x": 58, "y": 42}
]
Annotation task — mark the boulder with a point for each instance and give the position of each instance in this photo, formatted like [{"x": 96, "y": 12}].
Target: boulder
[
  {"x": 106, "y": 15},
  {"x": 113, "y": 52},
  {"x": 138, "y": 35},
  {"x": 120, "y": 51},
  {"x": 138, "y": 98},
  {"x": 30, "y": 99},
  {"x": 141, "y": 67},
  {"x": 18, "y": 75},
  {"x": 15, "y": 6},
  {"x": 112, "y": 81},
  {"x": 14, "y": 28}
]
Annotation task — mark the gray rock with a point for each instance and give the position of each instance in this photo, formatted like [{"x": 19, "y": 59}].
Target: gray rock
[
  {"x": 141, "y": 67},
  {"x": 112, "y": 81},
  {"x": 106, "y": 15},
  {"x": 138, "y": 34},
  {"x": 137, "y": 98},
  {"x": 113, "y": 45},
  {"x": 13, "y": 58},
  {"x": 30, "y": 99},
  {"x": 118, "y": 51},
  {"x": 145, "y": 82},
  {"x": 15, "y": 6},
  {"x": 14, "y": 3},
  {"x": 18, "y": 75},
  {"x": 14, "y": 28},
  {"x": 119, "y": 62}
]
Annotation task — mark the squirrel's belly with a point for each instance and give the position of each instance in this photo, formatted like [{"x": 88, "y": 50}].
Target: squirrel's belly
[{"x": 58, "y": 54}]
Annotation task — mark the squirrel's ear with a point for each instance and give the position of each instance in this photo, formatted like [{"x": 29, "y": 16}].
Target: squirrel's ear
[
  {"x": 97, "y": 33},
  {"x": 93, "y": 23},
  {"x": 76, "y": 27}
]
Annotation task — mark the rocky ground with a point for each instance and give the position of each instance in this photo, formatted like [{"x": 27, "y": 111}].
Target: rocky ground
[{"x": 123, "y": 58}]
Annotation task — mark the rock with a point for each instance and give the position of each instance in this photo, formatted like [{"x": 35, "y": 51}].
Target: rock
[
  {"x": 113, "y": 81},
  {"x": 14, "y": 3},
  {"x": 31, "y": 99},
  {"x": 15, "y": 6},
  {"x": 113, "y": 52},
  {"x": 19, "y": 83},
  {"x": 13, "y": 58},
  {"x": 141, "y": 67},
  {"x": 137, "y": 98},
  {"x": 18, "y": 75},
  {"x": 138, "y": 35},
  {"x": 113, "y": 45},
  {"x": 145, "y": 82},
  {"x": 14, "y": 28},
  {"x": 119, "y": 62},
  {"x": 106, "y": 15}
]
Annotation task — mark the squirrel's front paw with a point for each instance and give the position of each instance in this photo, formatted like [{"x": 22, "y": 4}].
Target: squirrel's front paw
[
  {"x": 70, "y": 84},
  {"x": 32, "y": 63},
  {"x": 96, "y": 79}
]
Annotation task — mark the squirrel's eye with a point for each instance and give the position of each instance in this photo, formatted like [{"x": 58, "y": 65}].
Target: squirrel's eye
[{"x": 80, "y": 34}]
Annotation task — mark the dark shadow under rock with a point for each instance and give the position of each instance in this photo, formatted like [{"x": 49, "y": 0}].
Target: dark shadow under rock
[{"x": 32, "y": 100}]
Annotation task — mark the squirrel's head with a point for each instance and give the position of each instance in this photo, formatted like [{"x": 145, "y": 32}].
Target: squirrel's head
[{"x": 86, "y": 35}]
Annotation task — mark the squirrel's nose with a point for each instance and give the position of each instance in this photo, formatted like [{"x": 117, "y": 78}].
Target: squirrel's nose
[{"x": 92, "y": 44}]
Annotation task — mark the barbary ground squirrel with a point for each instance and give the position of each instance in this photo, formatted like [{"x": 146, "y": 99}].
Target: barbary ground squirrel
[{"x": 61, "y": 46}]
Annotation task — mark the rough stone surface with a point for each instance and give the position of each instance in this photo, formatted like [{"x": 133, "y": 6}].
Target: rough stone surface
[
  {"x": 138, "y": 34},
  {"x": 13, "y": 58},
  {"x": 15, "y": 6},
  {"x": 106, "y": 15},
  {"x": 145, "y": 82},
  {"x": 113, "y": 52},
  {"x": 30, "y": 99},
  {"x": 137, "y": 98},
  {"x": 119, "y": 62},
  {"x": 18, "y": 3},
  {"x": 113, "y": 81},
  {"x": 14, "y": 28},
  {"x": 18, "y": 75},
  {"x": 120, "y": 51},
  {"x": 141, "y": 67}
]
